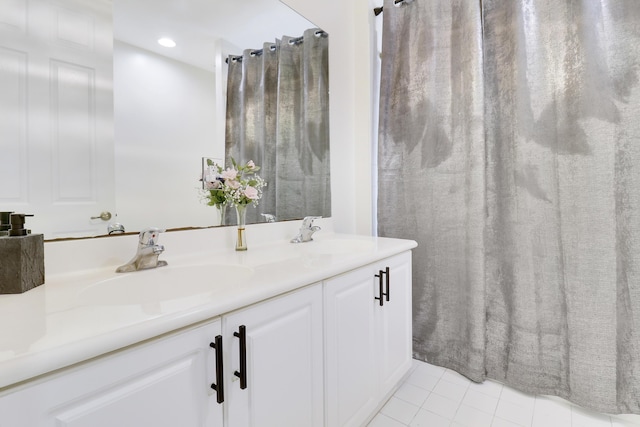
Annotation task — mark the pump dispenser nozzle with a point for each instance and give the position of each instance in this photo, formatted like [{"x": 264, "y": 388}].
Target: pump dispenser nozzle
[{"x": 17, "y": 225}]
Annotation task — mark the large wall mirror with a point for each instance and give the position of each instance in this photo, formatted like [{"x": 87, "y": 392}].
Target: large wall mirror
[{"x": 96, "y": 116}]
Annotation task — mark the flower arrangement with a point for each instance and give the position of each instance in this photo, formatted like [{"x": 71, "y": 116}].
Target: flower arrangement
[{"x": 238, "y": 185}]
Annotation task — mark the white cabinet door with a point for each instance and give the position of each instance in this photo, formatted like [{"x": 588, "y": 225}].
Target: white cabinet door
[
  {"x": 164, "y": 383},
  {"x": 282, "y": 362},
  {"x": 368, "y": 340},
  {"x": 393, "y": 322},
  {"x": 351, "y": 378}
]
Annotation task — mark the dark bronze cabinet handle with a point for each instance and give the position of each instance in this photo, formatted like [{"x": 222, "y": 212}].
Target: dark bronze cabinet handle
[
  {"x": 383, "y": 295},
  {"x": 380, "y": 287},
  {"x": 386, "y": 272},
  {"x": 218, "y": 386},
  {"x": 242, "y": 373}
]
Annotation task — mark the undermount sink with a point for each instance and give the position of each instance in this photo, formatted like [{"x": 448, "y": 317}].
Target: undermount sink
[
  {"x": 336, "y": 246},
  {"x": 163, "y": 284}
]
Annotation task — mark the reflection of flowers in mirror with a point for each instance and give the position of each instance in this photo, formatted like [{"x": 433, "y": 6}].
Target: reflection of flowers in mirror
[{"x": 235, "y": 185}]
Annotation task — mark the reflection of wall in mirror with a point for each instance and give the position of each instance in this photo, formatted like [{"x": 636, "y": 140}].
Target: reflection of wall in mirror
[{"x": 161, "y": 104}]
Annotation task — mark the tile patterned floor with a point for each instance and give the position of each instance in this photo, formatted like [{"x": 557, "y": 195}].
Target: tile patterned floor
[{"x": 436, "y": 397}]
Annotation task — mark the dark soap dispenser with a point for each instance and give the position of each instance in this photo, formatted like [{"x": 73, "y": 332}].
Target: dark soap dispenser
[
  {"x": 5, "y": 223},
  {"x": 21, "y": 257}
]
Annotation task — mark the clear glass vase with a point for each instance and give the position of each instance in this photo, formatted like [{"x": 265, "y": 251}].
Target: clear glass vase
[
  {"x": 241, "y": 214},
  {"x": 222, "y": 213}
]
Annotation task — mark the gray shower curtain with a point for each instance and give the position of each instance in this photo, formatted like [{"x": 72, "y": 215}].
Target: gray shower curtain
[
  {"x": 509, "y": 148},
  {"x": 278, "y": 116}
]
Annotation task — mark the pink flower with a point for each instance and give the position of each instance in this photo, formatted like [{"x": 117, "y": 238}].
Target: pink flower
[
  {"x": 232, "y": 184},
  {"x": 250, "y": 164},
  {"x": 230, "y": 174},
  {"x": 251, "y": 193}
]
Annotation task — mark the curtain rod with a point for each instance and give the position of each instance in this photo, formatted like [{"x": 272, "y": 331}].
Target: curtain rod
[
  {"x": 296, "y": 40},
  {"x": 378, "y": 10}
]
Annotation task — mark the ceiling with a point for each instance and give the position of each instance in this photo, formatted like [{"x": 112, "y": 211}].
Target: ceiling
[{"x": 197, "y": 25}]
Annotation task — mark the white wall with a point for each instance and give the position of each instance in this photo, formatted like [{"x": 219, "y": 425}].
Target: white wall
[
  {"x": 161, "y": 104},
  {"x": 349, "y": 26}
]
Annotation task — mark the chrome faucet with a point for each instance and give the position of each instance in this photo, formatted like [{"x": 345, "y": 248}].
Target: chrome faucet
[
  {"x": 115, "y": 228},
  {"x": 269, "y": 217},
  {"x": 306, "y": 230},
  {"x": 147, "y": 253}
]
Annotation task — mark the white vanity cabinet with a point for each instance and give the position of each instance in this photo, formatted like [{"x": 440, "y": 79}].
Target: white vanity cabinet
[
  {"x": 324, "y": 350},
  {"x": 275, "y": 348},
  {"x": 163, "y": 383},
  {"x": 394, "y": 329},
  {"x": 367, "y": 338}
]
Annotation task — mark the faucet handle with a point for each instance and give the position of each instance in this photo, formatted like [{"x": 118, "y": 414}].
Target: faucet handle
[
  {"x": 307, "y": 222},
  {"x": 149, "y": 236}
]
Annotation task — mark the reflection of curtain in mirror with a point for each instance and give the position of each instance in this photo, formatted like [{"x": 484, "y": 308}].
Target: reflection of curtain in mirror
[{"x": 278, "y": 116}]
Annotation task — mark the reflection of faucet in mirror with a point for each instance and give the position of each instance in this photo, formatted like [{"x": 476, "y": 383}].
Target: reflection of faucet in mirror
[
  {"x": 306, "y": 230},
  {"x": 269, "y": 217},
  {"x": 115, "y": 228},
  {"x": 147, "y": 254}
]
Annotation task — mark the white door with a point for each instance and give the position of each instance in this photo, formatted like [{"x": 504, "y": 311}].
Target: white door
[
  {"x": 393, "y": 322},
  {"x": 280, "y": 342},
  {"x": 165, "y": 383},
  {"x": 56, "y": 113},
  {"x": 351, "y": 371}
]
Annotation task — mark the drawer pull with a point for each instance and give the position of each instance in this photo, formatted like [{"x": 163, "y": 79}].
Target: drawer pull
[
  {"x": 218, "y": 386},
  {"x": 242, "y": 373},
  {"x": 386, "y": 272},
  {"x": 381, "y": 287}
]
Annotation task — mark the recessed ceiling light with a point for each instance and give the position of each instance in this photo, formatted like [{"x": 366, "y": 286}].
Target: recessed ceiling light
[{"x": 166, "y": 42}]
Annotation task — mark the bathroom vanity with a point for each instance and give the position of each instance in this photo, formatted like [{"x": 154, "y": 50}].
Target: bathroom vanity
[{"x": 312, "y": 334}]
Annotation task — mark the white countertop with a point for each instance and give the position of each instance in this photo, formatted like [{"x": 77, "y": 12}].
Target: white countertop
[{"x": 76, "y": 316}]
